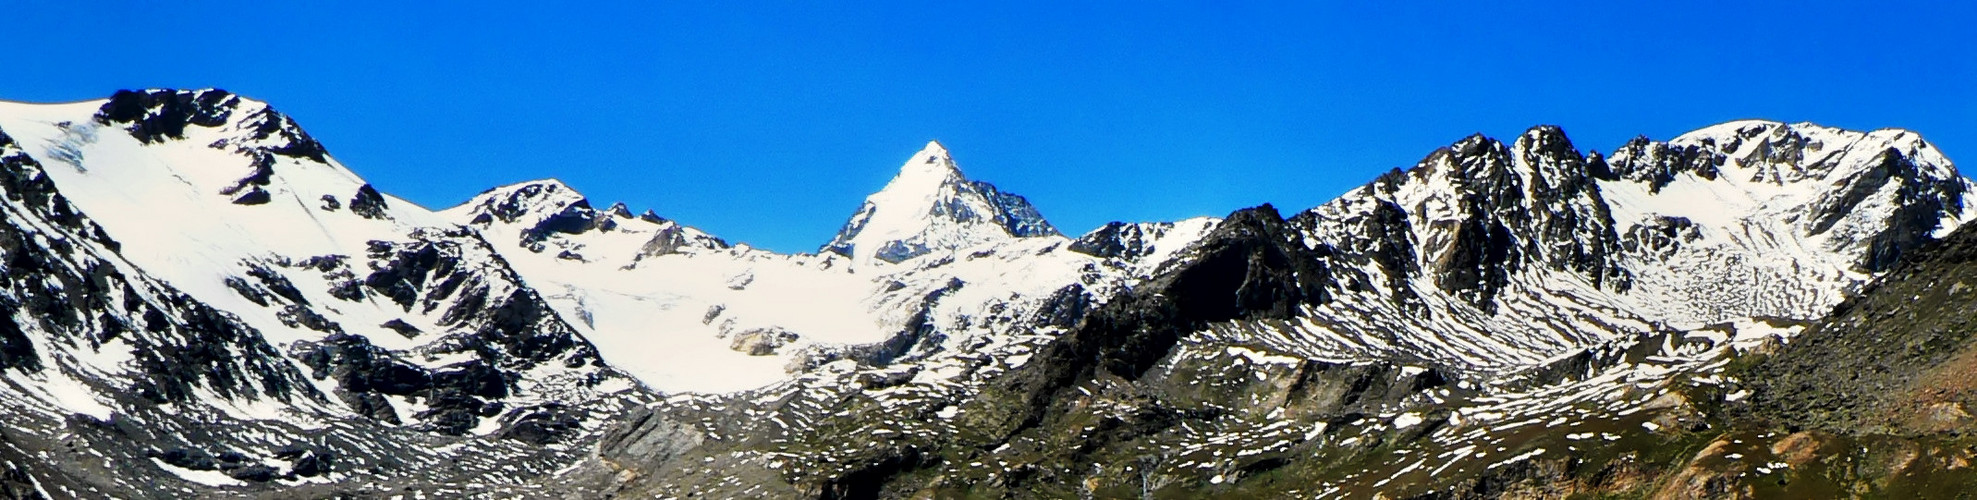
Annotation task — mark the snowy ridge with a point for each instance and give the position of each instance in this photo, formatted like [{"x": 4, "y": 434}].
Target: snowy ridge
[
  {"x": 531, "y": 212},
  {"x": 201, "y": 396},
  {"x": 336, "y": 305},
  {"x": 931, "y": 207}
]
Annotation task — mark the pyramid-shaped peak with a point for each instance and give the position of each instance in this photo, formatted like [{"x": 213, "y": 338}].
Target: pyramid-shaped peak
[
  {"x": 931, "y": 207},
  {"x": 933, "y": 164},
  {"x": 935, "y": 152}
]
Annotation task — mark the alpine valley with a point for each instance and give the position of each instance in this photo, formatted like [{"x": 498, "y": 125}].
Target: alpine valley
[{"x": 202, "y": 302}]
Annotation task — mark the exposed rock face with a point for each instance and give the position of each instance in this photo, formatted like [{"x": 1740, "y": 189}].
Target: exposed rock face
[
  {"x": 1140, "y": 249},
  {"x": 648, "y": 437},
  {"x": 1483, "y": 213},
  {"x": 443, "y": 274},
  {"x": 255, "y": 196},
  {"x": 1919, "y": 202},
  {"x": 1656, "y": 164},
  {"x": 761, "y": 341},
  {"x": 1115, "y": 239},
  {"x": 1515, "y": 234},
  {"x": 159, "y": 115},
  {"x": 1892, "y": 187},
  {"x": 1247, "y": 268}
]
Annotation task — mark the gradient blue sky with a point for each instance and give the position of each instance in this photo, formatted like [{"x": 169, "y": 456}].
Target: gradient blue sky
[{"x": 768, "y": 123}]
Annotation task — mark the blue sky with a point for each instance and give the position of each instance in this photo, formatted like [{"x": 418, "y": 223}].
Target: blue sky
[{"x": 768, "y": 123}]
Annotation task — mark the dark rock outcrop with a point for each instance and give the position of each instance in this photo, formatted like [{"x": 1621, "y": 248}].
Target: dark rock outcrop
[
  {"x": 159, "y": 115},
  {"x": 255, "y": 196},
  {"x": 1249, "y": 267},
  {"x": 1657, "y": 163},
  {"x": 368, "y": 203}
]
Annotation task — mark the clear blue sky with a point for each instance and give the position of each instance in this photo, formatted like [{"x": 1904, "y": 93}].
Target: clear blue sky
[{"x": 768, "y": 123}]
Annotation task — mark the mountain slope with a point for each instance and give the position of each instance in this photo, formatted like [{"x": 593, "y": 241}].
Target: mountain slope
[{"x": 1894, "y": 360}]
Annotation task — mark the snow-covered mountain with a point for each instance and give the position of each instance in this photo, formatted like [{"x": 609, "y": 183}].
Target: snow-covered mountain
[
  {"x": 229, "y": 201},
  {"x": 1494, "y": 256},
  {"x": 733, "y": 317},
  {"x": 204, "y": 302},
  {"x": 241, "y": 278},
  {"x": 931, "y": 207}
]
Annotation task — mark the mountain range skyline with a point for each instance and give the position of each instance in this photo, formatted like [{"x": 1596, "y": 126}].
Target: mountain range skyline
[
  {"x": 1084, "y": 109},
  {"x": 940, "y": 149}
]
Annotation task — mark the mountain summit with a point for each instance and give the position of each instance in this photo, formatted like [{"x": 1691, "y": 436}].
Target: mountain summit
[{"x": 930, "y": 207}]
